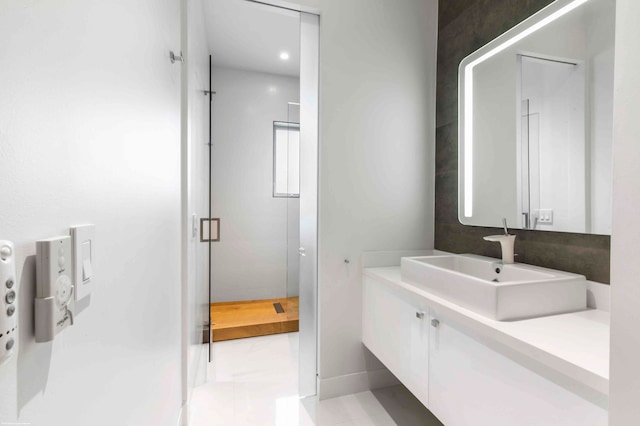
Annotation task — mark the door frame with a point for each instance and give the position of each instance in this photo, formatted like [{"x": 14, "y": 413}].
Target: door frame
[{"x": 309, "y": 297}]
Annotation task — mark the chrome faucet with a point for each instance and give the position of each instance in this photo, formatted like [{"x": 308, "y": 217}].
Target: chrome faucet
[{"x": 507, "y": 243}]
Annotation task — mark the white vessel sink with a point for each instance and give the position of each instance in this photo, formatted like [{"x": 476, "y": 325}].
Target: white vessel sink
[{"x": 500, "y": 292}]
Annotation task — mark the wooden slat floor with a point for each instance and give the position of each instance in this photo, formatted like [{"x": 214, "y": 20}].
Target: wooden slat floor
[{"x": 236, "y": 320}]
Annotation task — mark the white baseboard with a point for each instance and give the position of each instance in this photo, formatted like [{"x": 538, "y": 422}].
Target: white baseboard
[{"x": 354, "y": 383}]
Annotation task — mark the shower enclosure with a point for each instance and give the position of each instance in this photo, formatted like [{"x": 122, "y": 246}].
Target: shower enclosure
[
  {"x": 256, "y": 195},
  {"x": 255, "y": 168}
]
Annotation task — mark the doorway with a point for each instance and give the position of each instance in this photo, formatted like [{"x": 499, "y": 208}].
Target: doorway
[
  {"x": 552, "y": 144},
  {"x": 262, "y": 227},
  {"x": 255, "y": 184}
]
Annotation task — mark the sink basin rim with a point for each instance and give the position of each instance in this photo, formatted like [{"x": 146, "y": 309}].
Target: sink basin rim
[{"x": 546, "y": 275}]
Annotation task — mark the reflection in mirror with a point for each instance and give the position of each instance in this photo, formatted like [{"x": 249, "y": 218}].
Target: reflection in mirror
[{"x": 535, "y": 124}]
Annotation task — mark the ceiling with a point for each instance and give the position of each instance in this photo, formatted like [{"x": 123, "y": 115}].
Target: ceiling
[{"x": 251, "y": 36}]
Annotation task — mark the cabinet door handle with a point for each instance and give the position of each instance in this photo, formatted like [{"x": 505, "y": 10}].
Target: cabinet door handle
[
  {"x": 420, "y": 315},
  {"x": 435, "y": 323}
]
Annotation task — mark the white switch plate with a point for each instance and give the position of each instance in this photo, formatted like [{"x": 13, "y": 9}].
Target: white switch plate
[
  {"x": 545, "y": 216},
  {"x": 84, "y": 246}
]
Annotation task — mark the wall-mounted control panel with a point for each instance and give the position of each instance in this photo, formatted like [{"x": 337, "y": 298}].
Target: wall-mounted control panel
[
  {"x": 9, "y": 303},
  {"x": 83, "y": 241},
  {"x": 54, "y": 287}
]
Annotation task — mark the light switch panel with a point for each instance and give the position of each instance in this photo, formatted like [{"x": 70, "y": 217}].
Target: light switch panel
[
  {"x": 545, "y": 216},
  {"x": 84, "y": 244}
]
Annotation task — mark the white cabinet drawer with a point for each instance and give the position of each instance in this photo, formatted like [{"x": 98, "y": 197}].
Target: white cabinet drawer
[{"x": 395, "y": 329}]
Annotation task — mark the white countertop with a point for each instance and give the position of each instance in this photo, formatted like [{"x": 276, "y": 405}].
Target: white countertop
[{"x": 574, "y": 344}]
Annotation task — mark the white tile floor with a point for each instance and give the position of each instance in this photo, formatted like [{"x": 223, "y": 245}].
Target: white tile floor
[{"x": 254, "y": 382}]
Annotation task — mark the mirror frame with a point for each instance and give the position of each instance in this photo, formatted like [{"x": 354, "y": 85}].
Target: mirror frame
[{"x": 527, "y": 27}]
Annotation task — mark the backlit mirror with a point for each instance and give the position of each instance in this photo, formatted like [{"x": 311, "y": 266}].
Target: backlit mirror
[{"x": 535, "y": 123}]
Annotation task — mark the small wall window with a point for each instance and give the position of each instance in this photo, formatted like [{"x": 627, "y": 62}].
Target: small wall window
[{"x": 286, "y": 159}]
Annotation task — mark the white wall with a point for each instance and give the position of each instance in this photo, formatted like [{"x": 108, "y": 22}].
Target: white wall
[
  {"x": 195, "y": 187},
  {"x": 602, "y": 49},
  {"x": 624, "y": 387},
  {"x": 377, "y": 131},
  {"x": 90, "y": 132},
  {"x": 250, "y": 261}
]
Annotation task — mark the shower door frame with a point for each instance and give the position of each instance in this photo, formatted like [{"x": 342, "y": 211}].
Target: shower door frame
[{"x": 309, "y": 138}]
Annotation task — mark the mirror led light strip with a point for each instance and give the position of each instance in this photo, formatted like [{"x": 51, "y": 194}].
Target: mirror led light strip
[{"x": 468, "y": 96}]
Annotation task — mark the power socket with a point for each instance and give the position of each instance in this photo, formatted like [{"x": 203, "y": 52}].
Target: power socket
[{"x": 545, "y": 216}]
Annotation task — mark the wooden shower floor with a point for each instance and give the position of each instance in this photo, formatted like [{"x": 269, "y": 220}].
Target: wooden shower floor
[{"x": 236, "y": 320}]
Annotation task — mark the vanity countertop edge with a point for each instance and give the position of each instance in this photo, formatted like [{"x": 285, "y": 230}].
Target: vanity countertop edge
[{"x": 575, "y": 345}]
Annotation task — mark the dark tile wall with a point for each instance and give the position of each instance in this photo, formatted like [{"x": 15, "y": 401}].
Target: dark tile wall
[{"x": 465, "y": 26}]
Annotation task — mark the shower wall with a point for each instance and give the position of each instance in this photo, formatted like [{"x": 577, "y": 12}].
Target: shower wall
[{"x": 251, "y": 259}]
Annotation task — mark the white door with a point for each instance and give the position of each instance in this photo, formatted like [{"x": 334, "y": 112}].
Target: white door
[
  {"x": 309, "y": 77},
  {"x": 395, "y": 330}
]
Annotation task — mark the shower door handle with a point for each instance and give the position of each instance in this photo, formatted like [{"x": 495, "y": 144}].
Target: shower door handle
[{"x": 302, "y": 251}]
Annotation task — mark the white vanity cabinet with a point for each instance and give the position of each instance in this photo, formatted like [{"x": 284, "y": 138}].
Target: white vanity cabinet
[
  {"x": 462, "y": 379},
  {"x": 395, "y": 329},
  {"x": 472, "y": 384}
]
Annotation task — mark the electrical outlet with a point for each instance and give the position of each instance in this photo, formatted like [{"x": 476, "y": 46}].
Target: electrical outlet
[{"x": 545, "y": 216}]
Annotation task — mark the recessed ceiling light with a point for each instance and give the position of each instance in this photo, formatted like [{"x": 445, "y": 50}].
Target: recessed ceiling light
[{"x": 284, "y": 56}]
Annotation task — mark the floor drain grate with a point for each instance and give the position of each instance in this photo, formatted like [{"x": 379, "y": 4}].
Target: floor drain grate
[{"x": 278, "y": 307}]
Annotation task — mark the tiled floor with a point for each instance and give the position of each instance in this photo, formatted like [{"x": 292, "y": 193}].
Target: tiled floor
[{"x": 254, "y": 382}]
